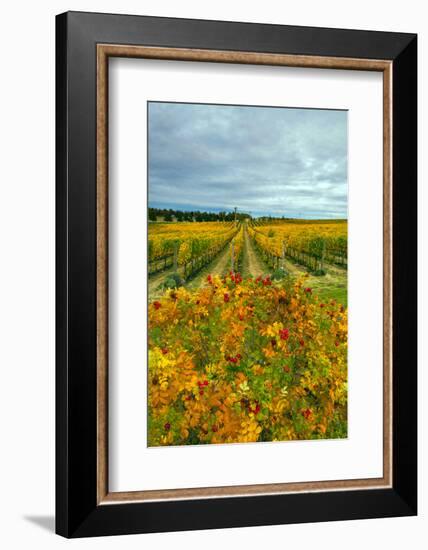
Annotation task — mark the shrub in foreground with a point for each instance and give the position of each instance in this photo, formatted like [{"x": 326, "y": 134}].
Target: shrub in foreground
[{"x": 246, "y": 360}]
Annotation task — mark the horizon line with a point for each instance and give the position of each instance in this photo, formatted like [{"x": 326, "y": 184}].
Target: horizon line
[{"x": 245, "y": 212}]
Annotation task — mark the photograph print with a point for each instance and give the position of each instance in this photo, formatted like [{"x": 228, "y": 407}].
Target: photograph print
[{"x": 247, "y": 274}]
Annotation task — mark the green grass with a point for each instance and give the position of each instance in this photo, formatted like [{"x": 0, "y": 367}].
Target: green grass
[
  {"x": 328, "y": 293},
  {"x": 330, "y": 287}
]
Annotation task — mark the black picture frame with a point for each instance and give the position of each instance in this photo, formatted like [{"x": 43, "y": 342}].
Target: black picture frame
[{"x": 77, "y": 511}]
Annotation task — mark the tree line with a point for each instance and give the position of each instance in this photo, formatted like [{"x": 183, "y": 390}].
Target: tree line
[{"x": 170, "y": 215}]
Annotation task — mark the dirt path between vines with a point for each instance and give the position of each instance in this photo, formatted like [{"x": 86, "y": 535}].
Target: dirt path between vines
[
  {"x": 218, "y": 266},
  {"x": 155, "y": 281},
  {"x": 252, "y": 264},
  {"x": 293, "y": 269}
]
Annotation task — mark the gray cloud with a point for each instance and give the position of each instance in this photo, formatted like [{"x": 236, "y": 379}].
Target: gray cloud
[{"x": 267, "y": 161}]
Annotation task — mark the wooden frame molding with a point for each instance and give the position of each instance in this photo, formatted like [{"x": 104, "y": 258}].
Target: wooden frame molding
[{"x": 104, "y": 52}]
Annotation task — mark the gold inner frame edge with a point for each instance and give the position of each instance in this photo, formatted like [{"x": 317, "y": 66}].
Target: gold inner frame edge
[{"x": 104, "y": 52}]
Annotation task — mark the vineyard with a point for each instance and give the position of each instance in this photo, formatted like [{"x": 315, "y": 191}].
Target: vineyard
[
  {"x": 247, "y": 331},
  {"x": 186, "y": 246},
  {"x": 183, "y": 253},
  {"x": 312, "y": 244}
]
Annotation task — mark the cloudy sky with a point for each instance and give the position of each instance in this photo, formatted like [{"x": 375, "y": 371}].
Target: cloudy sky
[{"x": 263, "y": 160}]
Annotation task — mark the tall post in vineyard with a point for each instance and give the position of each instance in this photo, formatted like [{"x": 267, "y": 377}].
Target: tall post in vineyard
[
  {"x": 235, "y": 214},
  {"x": 322, "y": 254},
  {"x": 175, "y": 256},
  {"x": 232, "y": 257}
]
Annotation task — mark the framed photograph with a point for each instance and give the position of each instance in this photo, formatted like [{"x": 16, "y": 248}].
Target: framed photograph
[{"x": 236, "y": 274}]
